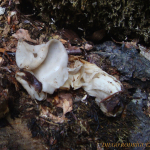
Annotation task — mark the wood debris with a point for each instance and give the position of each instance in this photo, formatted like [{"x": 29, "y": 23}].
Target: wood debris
[
  {"x": 131, "y": 44},
  {"x": 22, "y": 33},
  {"x": 63, "y": 101}
]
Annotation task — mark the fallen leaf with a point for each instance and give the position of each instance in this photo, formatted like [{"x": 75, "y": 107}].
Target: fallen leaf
[
  {"x": 6, "y": 30},
  {"x": 144, "y": 52},
  {"x": 12, "y": 14},
  {"x": 45, "y": 113},
  {"x": 70, "y": 36},
  {"x": 22, "y": 33},
  {"x": 17, "y": 1},
  {"x": 131, "y": 44},
  {"x": 72, "y": 49},
  {"x": 88, "y": 46},
  {"x": 9, "y": 46},
  {"x": 63, "y": 41},
  {"x": 41, "y": 38},
  {"x": 1, "y": 60},
  {"x": 2, "y": 50},
  {"x": 4, "y": 2},
  {"x": 64, "y": 101}
]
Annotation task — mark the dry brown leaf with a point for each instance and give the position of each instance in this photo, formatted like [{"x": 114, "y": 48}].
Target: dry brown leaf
[
  {"x": 2, "y": 50},
  {"x": 6, "y": 30},
  {"x": 22, "y": 33},
  {"x": 12, "y": 17},
  {"x": 87, "y": 47},
  {"x": 131, "y": 44},
  {"x": 45, "y": 113},
  {"x": 72, "y": 49},
  {"x": 63, "y": 41},
  {"x": 41, "y": 38},
  {"x": 67, "y": 106},
  {"x": 1, "y": 60},
  {"x": 17, "y": 1},
  {"x": 144, "y": 51},
  {"x": 4, "y": 2},
  {"x": 9, "y": 46},
  {"x": 69, "y": 36},
  {"x": 64, "y": 101},
  {"x": 57, "y": 119}
]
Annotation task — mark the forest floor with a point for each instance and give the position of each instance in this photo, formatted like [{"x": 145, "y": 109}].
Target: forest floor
[{"x": 85, "y": 127}]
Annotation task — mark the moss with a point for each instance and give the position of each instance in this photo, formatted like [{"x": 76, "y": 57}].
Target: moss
[{"x": 109, "y": 14}]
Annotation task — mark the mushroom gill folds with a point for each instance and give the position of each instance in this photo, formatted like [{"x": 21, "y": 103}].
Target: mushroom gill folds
[{"x": 46, "y": 69}]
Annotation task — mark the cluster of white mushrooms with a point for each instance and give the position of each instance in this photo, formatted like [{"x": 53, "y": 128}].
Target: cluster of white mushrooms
[{"x": 46, "y": 68}]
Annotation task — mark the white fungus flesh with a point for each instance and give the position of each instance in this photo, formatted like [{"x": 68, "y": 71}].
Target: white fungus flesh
[
  {"x": 29, "y": 56},
  {"x": 30, "y": 86},
  {"x": 95, "y": 81},
  {"x": 53, "y": 73},
  {"x": 49, "y": 66}
]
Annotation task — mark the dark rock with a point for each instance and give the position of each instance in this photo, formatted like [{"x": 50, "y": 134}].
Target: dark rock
[
  {"x": 140, "y": 130},
  {"x": 128, "y": 61}
]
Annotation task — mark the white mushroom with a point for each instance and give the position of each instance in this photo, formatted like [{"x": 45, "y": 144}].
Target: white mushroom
[
  {"x": 31, "y": 84},
  {"x": 95, "y": 81},
  {"x": 47, "y": 62},
  {"x": 30, "y": 56},
  {"x": 47, "y": 70},
  {"x": 53, "y": 73}
]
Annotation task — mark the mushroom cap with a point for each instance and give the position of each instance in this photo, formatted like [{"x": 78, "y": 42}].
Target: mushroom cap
[
  {"x": 47, "y": 62},
  {"x": 30, "y": 56},
  {"x": 53, "y": 73}
]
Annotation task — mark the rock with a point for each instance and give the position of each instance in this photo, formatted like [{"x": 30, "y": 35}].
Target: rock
[
  {"x": 139, "y": 132},
  {"x": 128, "y": 61}
]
